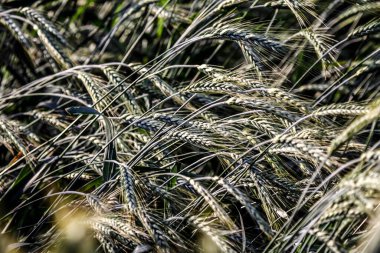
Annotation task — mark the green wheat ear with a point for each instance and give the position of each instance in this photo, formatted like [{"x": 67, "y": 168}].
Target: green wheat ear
[{"x": 372, "y": 114}]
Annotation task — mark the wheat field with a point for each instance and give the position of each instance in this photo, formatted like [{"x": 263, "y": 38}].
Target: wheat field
[{"x": 189, "y": 126}]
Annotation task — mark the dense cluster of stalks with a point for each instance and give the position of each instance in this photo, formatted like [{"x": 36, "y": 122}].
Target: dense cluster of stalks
[{"x": 189, "y": 126}]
